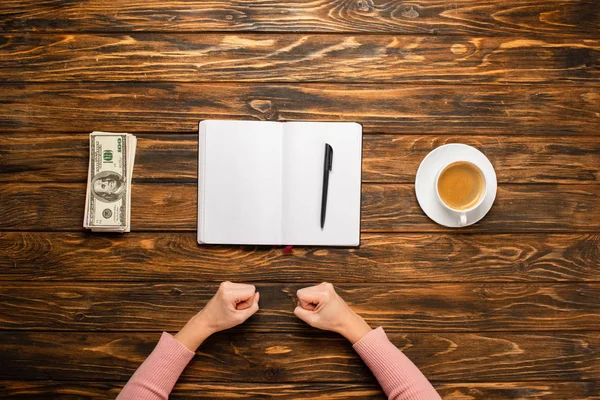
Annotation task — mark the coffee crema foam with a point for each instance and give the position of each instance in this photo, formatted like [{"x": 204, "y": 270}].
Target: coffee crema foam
[{"x": 461, "y": 185}]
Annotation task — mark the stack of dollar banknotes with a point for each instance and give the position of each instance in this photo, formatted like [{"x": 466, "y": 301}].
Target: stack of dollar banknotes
[{"x": 108, "y": 198}]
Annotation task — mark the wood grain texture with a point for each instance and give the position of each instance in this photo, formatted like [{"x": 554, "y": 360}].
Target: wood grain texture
[
  {"x": 305, "y": 358},
  {"x": 301, "y": 391},
  {"x": 386, "y": 158},
  {"x": 423, "y": 307},
  {"x": 538, "y": 110},
  {"x": 520, "y": 391},
  {"x": 381, "y": 258},
  {"x": 490, "y": 17},
  {"x": 385, "y": 208},
  {"x": 296, "y": 58},
  {"x": 507, "y": 309}
]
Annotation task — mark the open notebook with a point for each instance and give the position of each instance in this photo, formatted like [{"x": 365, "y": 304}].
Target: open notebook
[{"x": 261, "y": 183}]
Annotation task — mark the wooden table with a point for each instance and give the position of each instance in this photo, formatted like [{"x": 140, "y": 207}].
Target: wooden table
[{"x": 508, "y": 308}]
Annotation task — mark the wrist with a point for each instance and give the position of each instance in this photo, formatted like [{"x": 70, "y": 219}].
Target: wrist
[
  {"x": 202, "y": 326},
  {"x": 194, "y": 333},
  {"x": 355, "y": 328}
]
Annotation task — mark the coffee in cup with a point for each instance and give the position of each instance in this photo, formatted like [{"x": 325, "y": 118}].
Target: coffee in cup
[{"x": 461, "y": 187}]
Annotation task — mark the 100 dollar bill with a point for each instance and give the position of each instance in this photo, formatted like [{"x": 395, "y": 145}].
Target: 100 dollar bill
[{"x": 107, "y": 199}]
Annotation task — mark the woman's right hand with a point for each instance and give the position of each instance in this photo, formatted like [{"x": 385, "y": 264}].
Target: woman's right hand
[
  {"x": 233, "y": 304},
  {"x": 321, "y": 307}
]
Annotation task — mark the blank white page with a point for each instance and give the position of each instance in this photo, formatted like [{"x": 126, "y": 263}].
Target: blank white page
[
  {"x": 303, "y": 156},
  {"x": 242, "y": 182}
]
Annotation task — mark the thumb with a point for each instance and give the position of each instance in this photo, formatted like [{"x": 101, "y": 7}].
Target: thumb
[
  {"x": 307, "y": 316},
  {"x": 309, "y": 295},
  {"x": 242, "y": 305},
  {"x": 306, "y": 305},
  {"x": 244, "y": 293},
  {"x": 252, "y": 309}
]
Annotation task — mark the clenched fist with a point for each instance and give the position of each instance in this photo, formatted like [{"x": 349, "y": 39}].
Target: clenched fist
[
  {"x": 321, "y": 307},
  {"x": 233, "y": 304}
]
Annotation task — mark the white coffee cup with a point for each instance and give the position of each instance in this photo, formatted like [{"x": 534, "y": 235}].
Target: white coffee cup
[{"x": 461, "y": 214}]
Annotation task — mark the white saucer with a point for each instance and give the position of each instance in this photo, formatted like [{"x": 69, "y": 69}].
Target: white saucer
[{"x": 425, "y": 185}]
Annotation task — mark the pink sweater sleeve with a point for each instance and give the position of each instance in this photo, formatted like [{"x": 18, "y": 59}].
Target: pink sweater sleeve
[
  {"x": 399, "y": 378},
  {"x": 155, "y": 378}
]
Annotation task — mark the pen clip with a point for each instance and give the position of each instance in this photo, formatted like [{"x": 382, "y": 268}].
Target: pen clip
[{"x": 329, "y": 156}]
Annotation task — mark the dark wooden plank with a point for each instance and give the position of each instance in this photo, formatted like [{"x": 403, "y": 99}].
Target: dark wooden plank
[
  {"x": 296, "y": 58},
  {"x": 301, "y": 391},
  {"x": 381, "y": 258},
  {"x": 385, "y": 208},
  {"x": 520, "y": 390},
  {"x": 287, "y": 358},
  {"x": 517, "y": 208},
  {"x": 386, "y": 158},
  {"x": 64, "y": 158},
  {"x": 490, "y": 17},
  {"x": 398, "y": 307},
  {"x": 538, "y": 110}
]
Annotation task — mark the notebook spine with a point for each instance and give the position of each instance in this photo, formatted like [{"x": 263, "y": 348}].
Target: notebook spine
[{"x": 201, "y": 178}]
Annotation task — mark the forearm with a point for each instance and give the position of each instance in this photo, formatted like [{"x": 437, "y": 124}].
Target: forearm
[
  {"x": 156, "y": 377},
  {"x": 399, "y": 378}
]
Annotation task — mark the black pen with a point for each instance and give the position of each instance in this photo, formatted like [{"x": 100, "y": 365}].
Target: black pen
[{"x": 327, "y": 164}]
